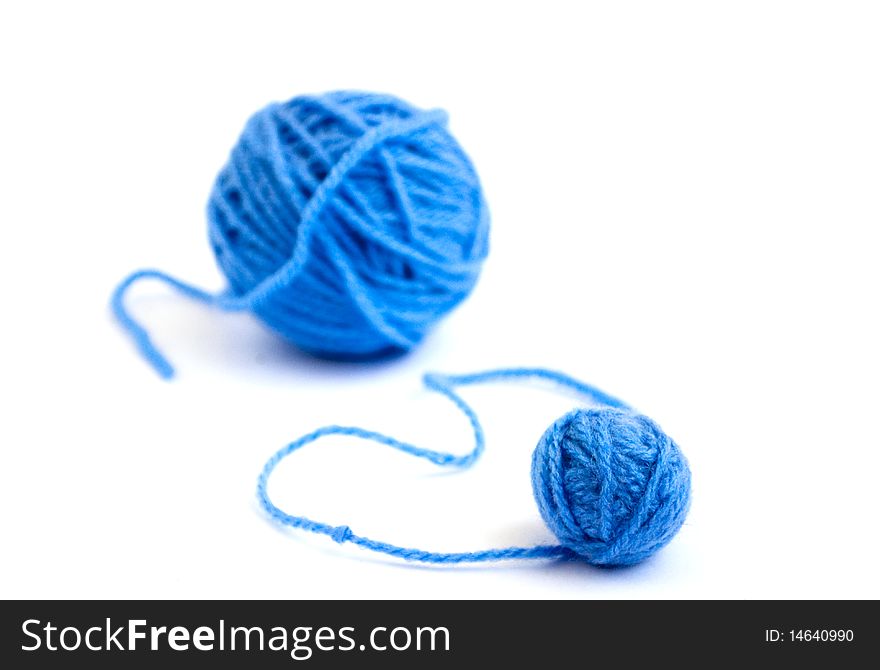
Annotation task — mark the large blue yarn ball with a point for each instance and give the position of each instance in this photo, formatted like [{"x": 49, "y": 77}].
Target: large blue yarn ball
[
  {"x": 350, "y": 222},
  {"x": 611, "y": 485}
]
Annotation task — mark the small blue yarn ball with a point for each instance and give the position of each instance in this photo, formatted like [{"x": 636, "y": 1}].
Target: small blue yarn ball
[
  {"x": 351, "y": 221},
  {"x": 611, "y": 485}
]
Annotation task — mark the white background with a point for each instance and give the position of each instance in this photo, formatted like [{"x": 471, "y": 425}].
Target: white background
[{"x": 685, "y": 208}]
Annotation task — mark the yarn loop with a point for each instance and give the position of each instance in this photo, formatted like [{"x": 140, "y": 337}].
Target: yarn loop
[{"x": 349, "y": 223}]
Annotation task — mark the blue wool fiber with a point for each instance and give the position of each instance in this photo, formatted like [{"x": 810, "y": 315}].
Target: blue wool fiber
[
  {"x": 348, "y": 222},
  {"x": 609, "y": 483}
]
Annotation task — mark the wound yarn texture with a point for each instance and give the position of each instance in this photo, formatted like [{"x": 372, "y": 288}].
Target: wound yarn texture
[
  {"x": 609, "y": 483},
  {"x": 347, "y": 222}
]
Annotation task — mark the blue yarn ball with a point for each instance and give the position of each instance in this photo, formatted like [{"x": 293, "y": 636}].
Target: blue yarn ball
[
  {"x": 351, "y": 221},
  {"x": 610, "y": 484}
]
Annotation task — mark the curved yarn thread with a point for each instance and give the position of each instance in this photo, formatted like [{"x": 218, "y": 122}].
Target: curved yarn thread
[
  {"x": 445, "y": 385},
  {"x": 348, "y": 223}
]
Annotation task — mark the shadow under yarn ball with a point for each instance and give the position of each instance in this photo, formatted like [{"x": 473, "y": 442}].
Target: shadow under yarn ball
[
  {"x": 350, "y": 221},
  {"x": 610, "y": 484}
]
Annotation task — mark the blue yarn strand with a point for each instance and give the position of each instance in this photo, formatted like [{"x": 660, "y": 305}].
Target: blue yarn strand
[
  {"x": 139, "y": 334},
  {"x": 597, "y": 396},
  {"x": 444, "y": 385},
  {"x": 349, "y": 223}
]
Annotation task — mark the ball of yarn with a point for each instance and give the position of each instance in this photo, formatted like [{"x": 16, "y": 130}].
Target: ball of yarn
[
  {"x": 611, "y": 485},
  {"x": 351, "y": 221}
]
